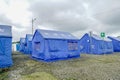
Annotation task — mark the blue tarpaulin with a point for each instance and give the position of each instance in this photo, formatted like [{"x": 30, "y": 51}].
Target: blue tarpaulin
[
  {"x": 28, "y": 44},
  {"x": 95, "y": 45},
  {"x": 54, "y": 45},
  {"x": 116, "y": 43},
  {"x": 5, "y": 46},
  {"x": 22, "y": 45}
]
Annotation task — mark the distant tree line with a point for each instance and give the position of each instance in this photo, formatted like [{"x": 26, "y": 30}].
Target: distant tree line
[{"x": 16, "y": 42}]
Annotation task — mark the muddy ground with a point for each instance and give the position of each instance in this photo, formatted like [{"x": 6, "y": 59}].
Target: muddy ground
[{"x": 88, "y": 67}]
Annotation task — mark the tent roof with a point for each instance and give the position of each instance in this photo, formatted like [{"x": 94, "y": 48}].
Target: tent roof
[
  {"x": 5, "y": 31},
  {"x": 29, "y": 37},
  {"x": 96, "y": 37},
  {"x": 116, "y": 38},
  {"x": 107, "y": 39},
  {"x": 49, "y": 34},
  {"x": 99, "y": 38}
]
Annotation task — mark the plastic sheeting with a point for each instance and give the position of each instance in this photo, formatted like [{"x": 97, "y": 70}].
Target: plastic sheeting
[
  {"x": 116, "y": 43},
  {"x": 5, "y": 52},
  {"x": 28, "y": 44},
  {"x": 95, "y": 45},
  {"x": 54, "y": 49},
  {"x": 22, "y": 45}
]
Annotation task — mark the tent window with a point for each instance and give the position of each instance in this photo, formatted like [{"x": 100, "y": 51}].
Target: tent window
[
  {"x": 37, "y": 46},
  {"x": 72, "y": 46}
]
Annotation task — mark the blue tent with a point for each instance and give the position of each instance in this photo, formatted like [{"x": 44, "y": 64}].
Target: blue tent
[
  {"x": 28, "y": 44},
  {"x": 50, "y": 45},
  {"x": 116, "y": 43},
  {"x": 5, "y": 46},
  {"x": 95, "y": 45},
  {"x": 22, "y": 45},
  {"x": 17, "y": 46}
]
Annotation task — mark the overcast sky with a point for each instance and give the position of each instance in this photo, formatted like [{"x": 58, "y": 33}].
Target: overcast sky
[{"x": 74, "y": 16}]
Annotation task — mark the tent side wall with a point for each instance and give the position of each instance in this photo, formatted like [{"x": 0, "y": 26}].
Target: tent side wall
[
  {"x": 22, "y": 45},
  {"x": 46, "y": 51},
  {"x": 94, "y": 46},
  {"x": 108, "y": 47},
  {"x": 100, "y": 47},
  {"x": 84, "y": 44},
  {"x": 38, "y": 46},
  {"x": 5, "y": 52},
  {"x": 116, "y": 44},
  {"x": 29, "y": 46},
  {"x": 57, "y": 49}
]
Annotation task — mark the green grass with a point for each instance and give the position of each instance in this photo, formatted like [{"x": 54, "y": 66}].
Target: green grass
[
  {"x": 88, "y": 67},
  {"x": 3, "y": 75}
]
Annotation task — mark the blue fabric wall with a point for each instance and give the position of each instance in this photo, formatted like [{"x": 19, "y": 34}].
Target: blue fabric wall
[
  {"x": 85, "y": 44},
  {"x": 5, "y": 52},
  {"x": 116, "y": 44},
  {"x": 22, "y": 45},
  {"x": 108, "y": 47},
  {"x": 28, "y": 47},
  {"x": 28, "y": 44},
  {"x": 97, "y": 46}
]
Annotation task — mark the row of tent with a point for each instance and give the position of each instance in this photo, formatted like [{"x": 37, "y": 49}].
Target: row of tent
[
  {"x": 93, "y": 44},
  {"x": 52, "y": 45}
]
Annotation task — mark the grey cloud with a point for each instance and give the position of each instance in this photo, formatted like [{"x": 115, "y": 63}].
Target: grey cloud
[
  {"x": 72, "y": 16},
  {"x": 107, "y": 11},
  {"x": 17, "y": 29},
  {"x": 4, "y": 20},
  {"x": 65, "y": 15},
  {"x": 75, "y": 16}
]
